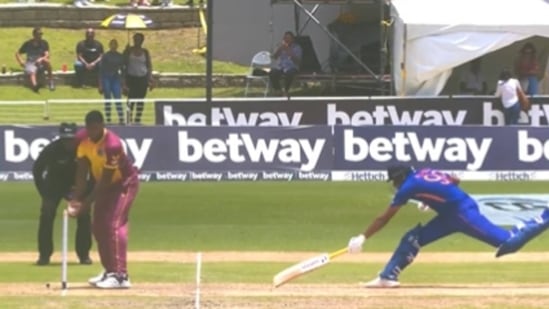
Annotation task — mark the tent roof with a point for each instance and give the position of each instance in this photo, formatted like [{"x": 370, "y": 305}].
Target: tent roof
[{"x": 431, "y": 17}]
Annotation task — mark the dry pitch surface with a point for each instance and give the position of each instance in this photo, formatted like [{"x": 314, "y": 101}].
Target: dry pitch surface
[{"x": 235, "y": 295}]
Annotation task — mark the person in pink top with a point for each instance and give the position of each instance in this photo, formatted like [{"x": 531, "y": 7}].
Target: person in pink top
[
  {"x": 527, "y": 69},
  {"x": 101, "y": 155}
]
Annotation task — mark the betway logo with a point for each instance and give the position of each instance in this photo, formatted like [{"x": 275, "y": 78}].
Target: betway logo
[
  {"x": 538, "y": 115},
  {"x": 17, "y": 149},
  {"x": 171, "y": 176},
  {"x": 405, "y": 146},
  {"x": 323, "y": 176},
  {"x": 242, "y": 176},
  {"x": 205, "y": 176},
  {"x": 277, "y": 175},
  {"x": 22, "y": 176},
  {"x": 4, "y": 176},
  {"x": 531, "y": 149},
  {"x": 388, "y": 114},
  {"x": 241, "y": 148},
  {"x": 224, "y": 116}
]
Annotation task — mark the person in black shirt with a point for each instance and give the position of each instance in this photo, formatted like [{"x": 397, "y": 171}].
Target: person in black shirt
[
  {"x": 88, "y": 57},
  {"x": 38, "y": 58},
  {"x": 54, "y": 178}
]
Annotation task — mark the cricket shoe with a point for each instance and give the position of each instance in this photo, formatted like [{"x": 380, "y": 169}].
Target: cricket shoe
[
  {"x": 381, "y": 283},
  {"x": 43, "y": 261},
  {"x": 94, "y": 280},
  {"x": 523, "y": 233},
  {"x": 86, "y": 261},
  {"x": 114, "y": 281}
]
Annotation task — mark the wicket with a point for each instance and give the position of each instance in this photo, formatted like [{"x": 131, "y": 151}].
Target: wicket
[
  {"x": 64, "y": 249},
  {"x": 198, "y": 275}
]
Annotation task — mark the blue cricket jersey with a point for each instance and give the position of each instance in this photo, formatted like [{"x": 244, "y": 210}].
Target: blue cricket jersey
[{"x": 432, "y": 187}]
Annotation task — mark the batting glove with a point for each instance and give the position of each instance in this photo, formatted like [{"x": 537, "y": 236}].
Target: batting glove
[
  {"x": 355, "y": 243},
  {"x": 423, "y": 207}
]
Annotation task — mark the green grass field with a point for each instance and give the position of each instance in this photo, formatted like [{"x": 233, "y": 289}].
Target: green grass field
[
  {"x": 251, "y": 218},
  {"x": 262, "y": 216}
]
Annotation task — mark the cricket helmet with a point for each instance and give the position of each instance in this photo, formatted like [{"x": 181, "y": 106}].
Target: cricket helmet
[{"x": 399, "y": 170}]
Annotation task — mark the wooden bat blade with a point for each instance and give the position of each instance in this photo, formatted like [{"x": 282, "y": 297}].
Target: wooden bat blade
[{"x": 305, "y": 266}]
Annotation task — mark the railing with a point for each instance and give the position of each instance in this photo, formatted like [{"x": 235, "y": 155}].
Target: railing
[
  {"x": 336, "y": 2},
  {"x": 12, "y": 111},
  {"x": 55, "y": 111},
  {"x": 162, "y": 79}
]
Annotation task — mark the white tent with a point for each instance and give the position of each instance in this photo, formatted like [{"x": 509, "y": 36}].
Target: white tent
[{"x": 431, "y": 37}]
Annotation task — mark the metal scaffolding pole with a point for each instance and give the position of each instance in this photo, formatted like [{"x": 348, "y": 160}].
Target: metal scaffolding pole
[{"x": 336, "y": 40}]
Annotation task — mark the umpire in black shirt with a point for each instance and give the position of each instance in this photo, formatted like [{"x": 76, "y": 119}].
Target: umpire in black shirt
[{"x": 54, "y": 176}]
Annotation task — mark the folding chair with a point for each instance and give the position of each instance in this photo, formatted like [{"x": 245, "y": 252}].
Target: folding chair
[{"x": 259, "y": 71}]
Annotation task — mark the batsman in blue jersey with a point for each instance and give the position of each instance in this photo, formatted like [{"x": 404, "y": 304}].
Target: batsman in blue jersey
[{"x": 456, "y": 212}]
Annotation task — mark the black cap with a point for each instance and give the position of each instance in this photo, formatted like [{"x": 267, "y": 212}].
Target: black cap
[
  {"x": 67, "y": 130},
  {"x": 395, "y": 171}
]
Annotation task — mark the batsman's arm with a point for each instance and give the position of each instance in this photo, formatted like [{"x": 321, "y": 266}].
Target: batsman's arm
[{"x": 380, "y": 221}]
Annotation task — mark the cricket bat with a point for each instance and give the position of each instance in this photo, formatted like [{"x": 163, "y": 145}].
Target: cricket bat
[{"x": 305, "y": 266}]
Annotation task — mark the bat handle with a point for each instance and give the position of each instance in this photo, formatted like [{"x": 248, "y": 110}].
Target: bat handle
[{"x": 338, "y": 252}]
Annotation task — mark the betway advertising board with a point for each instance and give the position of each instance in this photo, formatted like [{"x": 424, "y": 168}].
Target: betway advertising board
[
  {"x": 337, "y": 153},
  {"x": 438, "y": 111},
  {"x": 206, "y": 153},
  {"x": 477, "y": 153}
]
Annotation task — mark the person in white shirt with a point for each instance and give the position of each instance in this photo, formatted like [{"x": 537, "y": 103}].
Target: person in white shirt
[
  {"x": 507, "y": 88},
  {"x": 472, "y": 81}
]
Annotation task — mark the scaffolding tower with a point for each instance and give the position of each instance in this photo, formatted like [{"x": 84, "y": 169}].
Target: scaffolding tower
[{"x": 380, "y": 76}]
